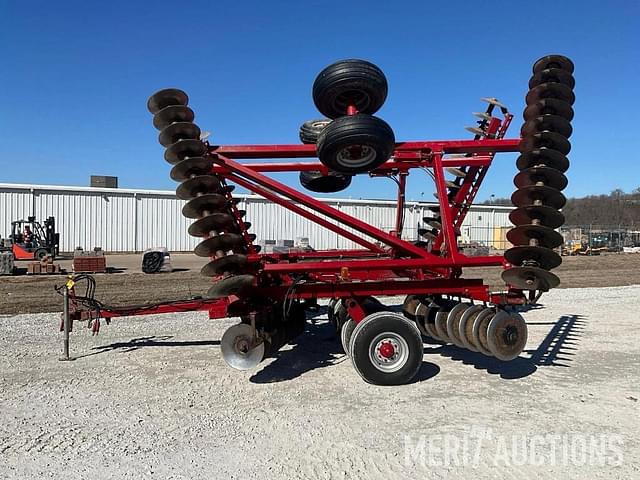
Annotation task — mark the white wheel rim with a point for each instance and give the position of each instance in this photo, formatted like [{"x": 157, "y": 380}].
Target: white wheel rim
[{"x": 380, "y": 347}]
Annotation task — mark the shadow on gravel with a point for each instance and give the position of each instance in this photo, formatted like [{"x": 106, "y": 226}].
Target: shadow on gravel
[
  {"x": 517, "y": 368},
  {"x": 555, "y": 350},
  {"x": 558, "y": 346},
  {"x": 153, "y": 341},
  {"x": 318, "y": 347}
]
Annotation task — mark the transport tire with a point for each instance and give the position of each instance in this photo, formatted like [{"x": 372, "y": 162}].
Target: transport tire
[
  {"x": 310, "y": 130},
  {"x": 349, "y": 82},
  {"x": 315, "y": 181},
  {"x": 386, "y": 349},
  {"x": 356, "y": 144},
  {"x": 345, "y": 334}
]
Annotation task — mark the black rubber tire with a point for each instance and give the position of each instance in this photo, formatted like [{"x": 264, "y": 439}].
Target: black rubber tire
[
  {"x": 349, "y": 81},
  {"x": 40, "y": 253},
  {"x": 152, "y": 262},
  {"x": 365, "y": 334},
  {"x": 310, "y": 130},
  {"x": 331, "y": 312},
  {"x": 345, "y": 335},
  {"x": 370, "y": 305},
  {"x": 372, "y": 134},
  {"x": 317, "y": 182},
  {"x": 341, "y": 317}
]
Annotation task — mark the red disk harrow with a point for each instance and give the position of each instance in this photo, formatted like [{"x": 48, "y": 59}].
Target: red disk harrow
[{"x": 269, "y": 291}]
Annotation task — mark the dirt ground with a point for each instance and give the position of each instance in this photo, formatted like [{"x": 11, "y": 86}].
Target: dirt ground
[
  {"x": 151, "y": 397},
  {"x": 34, "y": 294}
]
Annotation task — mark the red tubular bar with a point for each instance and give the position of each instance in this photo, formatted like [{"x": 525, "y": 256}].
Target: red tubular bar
[
  {"x": 387, "y": 264},
  {"x": 301, "y": 211},
  {"x": 240, "y": 170},
  {"x": 309, "y": 151}
]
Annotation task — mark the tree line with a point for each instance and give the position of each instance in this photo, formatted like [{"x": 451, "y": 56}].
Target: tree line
[{"x": 615, "y": 208}]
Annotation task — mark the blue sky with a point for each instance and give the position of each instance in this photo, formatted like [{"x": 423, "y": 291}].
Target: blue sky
[{"x": 76, "y": 75}]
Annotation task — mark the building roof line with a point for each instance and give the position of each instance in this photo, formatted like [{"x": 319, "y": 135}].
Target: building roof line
[{"x": 170, "y": 193}]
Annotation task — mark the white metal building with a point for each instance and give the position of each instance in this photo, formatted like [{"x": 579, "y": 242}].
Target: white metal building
[{"x": 124, "y": 220}]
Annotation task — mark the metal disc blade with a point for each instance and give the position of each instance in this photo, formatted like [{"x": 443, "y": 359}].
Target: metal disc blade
[
  {"x": 550, "y": 90},
  {"x": 231, "y": 264},
  {"x": 190, "y": 167},
  {"x": 479, "y": 331},
  {"x": 410, "y": 306},
  {"x": 456, "y": 172},
  {"x": 465, "y": 326},
  {"x": 428, "y": 234},
  {"x": 543, "y": 156},
  {"x": 551, "y": 140},
  {"x": 451, "y": 185},
  {"x": 435, "y": 209},
  {"x": 548, "y": 123},
  {"x": 172, "y": 114},
  {"x": 551, "y": 106},
  {"x": 215, "y": 222},
  {"x": 547, "y": 216},
  {"x": 166, "y": 97},
  {"x": 549, "y": 177},
  {"x": 475, "y": 130},
  {"x": 198, "y": 185},
  {"x": 506, "y": 335},
  {"x": 240, "y": 349},
  {"x": 482, "y": 115},
  {"x": 453, "y": 323},
  {"x": 420, "y": 313},
  {"x": 545, "y": 236},
  {"x": 441, "y": 325},
  {"x": 547, "y": 196},
  {"x": 435, "y": 223},
  {"x": 224, "y": 243},
  {"x": 179, "y": 131},
  {"x": 493, "y": 101},
  {"x": 211, "y": 202},
  {"x": 183, "y": 149},
  {"x": 552, "y": 75},
  {"x": 553, "y": 61},
  {"x": 233, "y": 285},
  {"x": 543, "y": 257},
  {"x": 530, "y": 278}
]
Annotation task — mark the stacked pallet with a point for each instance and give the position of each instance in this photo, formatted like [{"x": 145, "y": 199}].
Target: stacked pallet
[
  {"x": 44, "y": 266},
  {"x": 92, "y": 261},
  {"x": 7, "y": 265}
]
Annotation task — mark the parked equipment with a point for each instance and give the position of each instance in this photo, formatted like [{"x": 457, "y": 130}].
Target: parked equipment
[
  {"x": 267, "y": 290},
  {"x": 32, "y": 240}
]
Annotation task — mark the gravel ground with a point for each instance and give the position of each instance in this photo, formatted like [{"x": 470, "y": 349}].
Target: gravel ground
[{"x": 151, "y": 397}]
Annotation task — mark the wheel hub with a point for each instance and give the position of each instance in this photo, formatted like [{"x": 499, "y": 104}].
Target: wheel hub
[
  {"x": 510, "y": 335},
  {"x": 389, "y": 352},
  {"x": 356, "y": 155}
]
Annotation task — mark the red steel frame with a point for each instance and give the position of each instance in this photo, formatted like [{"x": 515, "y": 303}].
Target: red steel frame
[{"x": 401, "y": 268}]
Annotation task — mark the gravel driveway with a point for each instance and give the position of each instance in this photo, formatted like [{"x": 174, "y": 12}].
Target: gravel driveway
[{"x": 150, "y": 397}]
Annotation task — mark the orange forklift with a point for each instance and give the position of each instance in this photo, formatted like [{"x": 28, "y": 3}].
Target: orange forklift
[{"x": 31, "y": 240}]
